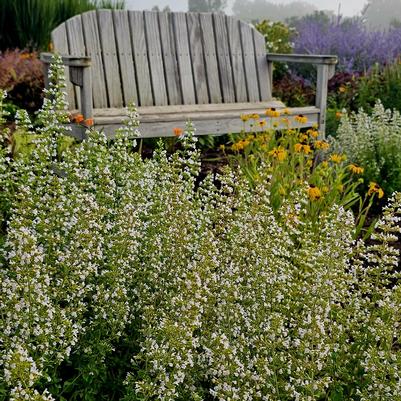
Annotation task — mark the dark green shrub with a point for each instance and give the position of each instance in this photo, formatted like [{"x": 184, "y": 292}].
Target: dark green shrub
[{"x": 28, "y": 23}]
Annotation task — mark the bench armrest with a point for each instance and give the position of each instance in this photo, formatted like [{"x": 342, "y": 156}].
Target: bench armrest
[
  {"x": 79, "y": 75},
  {"x": 303, "y": 58},
  {"x": 325, "y": 70}
]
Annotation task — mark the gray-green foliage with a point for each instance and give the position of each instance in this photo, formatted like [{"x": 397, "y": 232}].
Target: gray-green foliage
[
  {"x": 124, "y": 278},
  {"x": 28, "y": 23}
]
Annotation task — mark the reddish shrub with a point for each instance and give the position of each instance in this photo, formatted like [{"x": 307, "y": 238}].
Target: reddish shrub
[{"x": 21, "y": 75}]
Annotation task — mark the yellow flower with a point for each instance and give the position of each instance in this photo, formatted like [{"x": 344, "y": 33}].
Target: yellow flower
[
  {"x": 298, "y": 147},
  {"x": 245, "y": 117},
  {"x": 303, "y": 138},
  {"x": 222, "y": 147},
  {"x": 272, "y": 112},
  {"x": 309, "y": 163},
  {"x": 324, "y": 164},
  {"x": 240, "y": 145},
  {"x": 342, "y": 89},
  {"x": 314, "y": 193},
  {"x": 278, "y": 153},
  {"x": 300, "y": 118},
  {"x": 255, "y": 116},
  {"x": 355, "y": 169},
  {"x": 325, "y": 189},
  {"x": 375, "y": 188},
  {"x": 321, "y": 145},
  {"x": 287, "y": 112},
  {"x": 262, "y": 123},
  {"x": 313, "y": 133},
  {"x": 336, "y": 158},
  {"x": 285, "y": 121}
]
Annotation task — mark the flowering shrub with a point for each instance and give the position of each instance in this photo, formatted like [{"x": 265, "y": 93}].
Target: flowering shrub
[
  {"x": 373, "y": 141},
  {"x": 124, "y": 278},
  {"x": 357, "y": 48}
]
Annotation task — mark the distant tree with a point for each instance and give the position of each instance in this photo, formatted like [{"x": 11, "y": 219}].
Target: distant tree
[
  {"x": 165, "y": 9},
  {"x": 379, "y": 14},
  {"x": 207, "y": 5},
  {"x": 252, "y": 10}
]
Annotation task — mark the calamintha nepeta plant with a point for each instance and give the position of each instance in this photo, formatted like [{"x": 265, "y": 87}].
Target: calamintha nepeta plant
[{"x": 131, "y": 279}]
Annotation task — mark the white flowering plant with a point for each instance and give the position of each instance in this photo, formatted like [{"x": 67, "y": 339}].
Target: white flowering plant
[
  {"x": 131, "y": 279},
  {"x": 373, "y": 141}
]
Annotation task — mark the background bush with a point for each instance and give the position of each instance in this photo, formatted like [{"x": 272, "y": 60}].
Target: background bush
[
  {"x": 28, "y": 23},
  {"x": 21, "y": 75}
]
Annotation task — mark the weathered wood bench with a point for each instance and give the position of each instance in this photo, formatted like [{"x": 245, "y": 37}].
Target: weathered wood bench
[{"x": 208, "y": 68}]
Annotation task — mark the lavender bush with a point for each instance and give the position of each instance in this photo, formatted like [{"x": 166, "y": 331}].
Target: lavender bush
[{"x": 356, "y": 48}]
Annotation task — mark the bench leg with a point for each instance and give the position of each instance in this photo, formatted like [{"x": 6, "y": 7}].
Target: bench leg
[{"x": 323, "y": 73}]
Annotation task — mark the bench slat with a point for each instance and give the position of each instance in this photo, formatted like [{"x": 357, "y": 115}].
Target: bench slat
[
  {"x": 169, "y": 58},
  {"x": 94, "y": 50},
  {"x": 262, "y": 66},
  {"x": 237, "y": 61},
  {"x": 212, "y": 69},
  {"x": 60, "y": 42},
  {"x": 141, "y": 58},
  {"x": 184, "y": 58},
  {"x": 223, "y": 54},
  {"x": 249, "y": 61},
  {"x": 197, "y": 56},
  {"x": 125, "y": 57},
  {"x": 155, "y": 58},
  {"x": 111, "y": 68}
]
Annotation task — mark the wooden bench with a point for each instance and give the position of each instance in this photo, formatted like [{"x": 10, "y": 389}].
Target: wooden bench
[{"x": 209, "y": 68}]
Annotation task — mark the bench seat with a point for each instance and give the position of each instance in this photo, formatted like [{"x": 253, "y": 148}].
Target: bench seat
[{"x": 216, "y": 119}]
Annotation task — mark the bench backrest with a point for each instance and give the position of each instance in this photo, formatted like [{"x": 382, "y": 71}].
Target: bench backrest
[{"x": 162, "y": 58}]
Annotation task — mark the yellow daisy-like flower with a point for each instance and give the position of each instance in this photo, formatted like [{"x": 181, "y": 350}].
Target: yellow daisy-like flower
[
  {"x": 314, "y": 193},
  {"x": 336, "y": 158},
  {"x": 313, "y": 133},
  {"x": 298, "y": 147},
  {"x": 272, "y": 112},
  {"x": 300, "y": 118},
  {"x": 375, "y": 188},
  {"x": 255, "y": 116},
  {"x": 262, "y": 123},
  {"x": 245, "y": 117},
  {"x": 303, "y": 138},
  {"x": 236, "y": 147},
  {"x": 278, "y": 153},
  {"x": 286, "y": 112},
  {"x": 355, "y": 169},
  {"x": 321, "y": 145}
]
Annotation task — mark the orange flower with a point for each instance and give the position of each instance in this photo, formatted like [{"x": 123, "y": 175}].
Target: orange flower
[
  {"x": 178, "y": 131},
  {"x": 338, "y": 115},
  {"x": 88, "y": 122},
  {"x": 78, "y": 118}
]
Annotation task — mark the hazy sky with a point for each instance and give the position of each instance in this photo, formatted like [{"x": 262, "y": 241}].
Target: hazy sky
[{"x": 348, "y": 7}]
